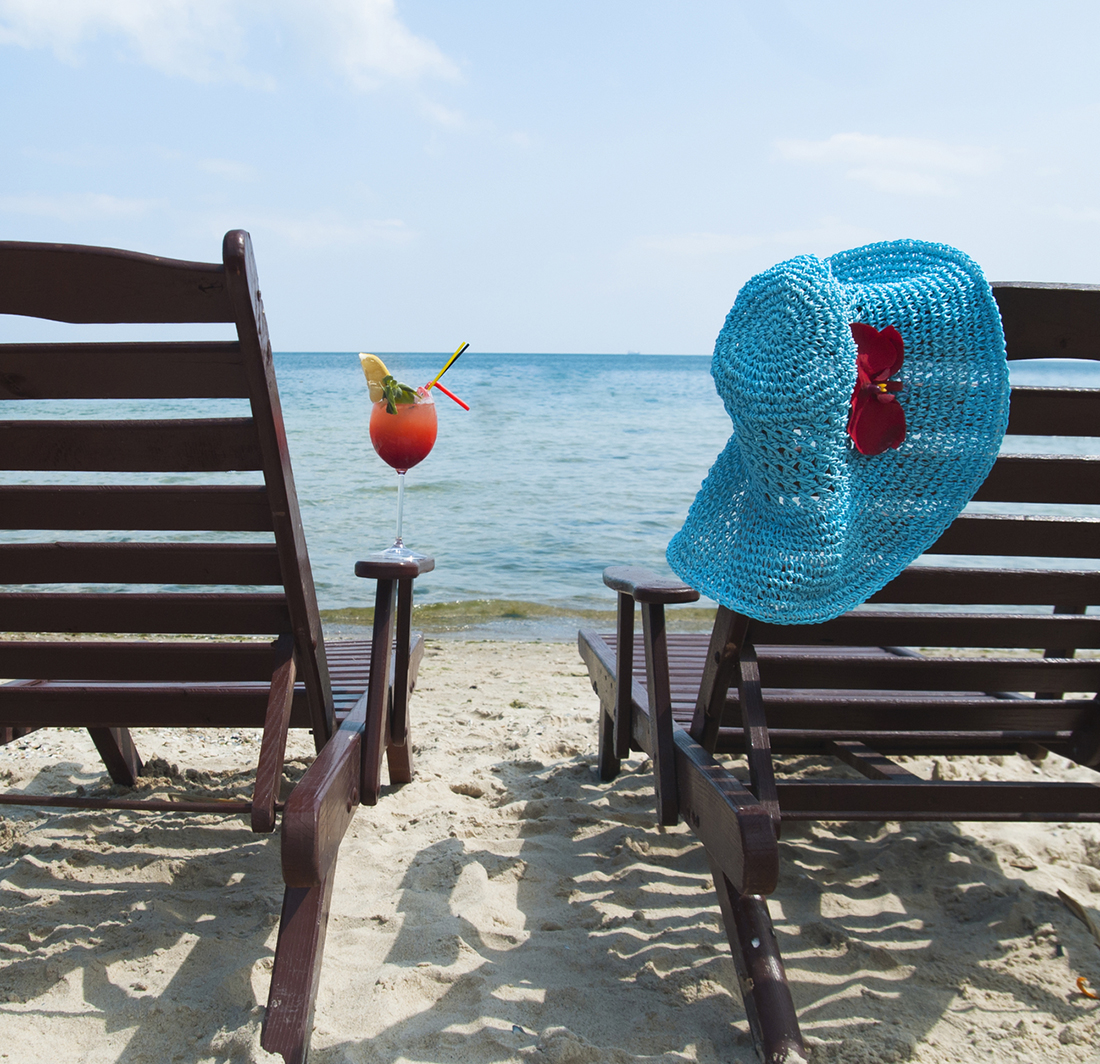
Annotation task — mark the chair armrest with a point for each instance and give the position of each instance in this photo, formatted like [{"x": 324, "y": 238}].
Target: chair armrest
[
  {"x": 321, "y": 806},
  {"x": 644, "y": 585}
]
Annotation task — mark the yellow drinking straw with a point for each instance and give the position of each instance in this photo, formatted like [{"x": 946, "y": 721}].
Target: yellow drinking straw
[{"x": 450, "y": 362}]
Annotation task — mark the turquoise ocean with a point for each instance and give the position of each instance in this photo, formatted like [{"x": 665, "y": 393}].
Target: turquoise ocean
[{"x": 563, "y": 465}]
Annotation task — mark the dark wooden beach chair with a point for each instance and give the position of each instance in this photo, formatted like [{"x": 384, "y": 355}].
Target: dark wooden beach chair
[
  {"x": 185, "y": 628},
  {"x": 900, "y": 677}
]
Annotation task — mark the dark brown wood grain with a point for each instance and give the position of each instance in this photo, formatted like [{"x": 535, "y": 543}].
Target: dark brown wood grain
[
  {"x": 376, "y": 730},
  {"x": 212, "y": 444},
  {"x": 938, "y": 800},
  {"x": 1049, "y": 320},
  {"x": 799, "y": 669},
  {"x": 1021, "y": 536},
  {"x": 120, "y": 756},
  {"x": 1054, "y": 412},
  {"x": 269, "y": 768},
  {"x": 941, "y": 629},
  {"x": 870, "y": 762},
  {"x": 993, "y": 585},
  {"x": 662, "y": 745},
  {"x": 182, "y": 705},
  {"x": 320, "y": 808},
  {"x": 731, "y": 823},
  {"x": 258, "y": 613},
  {"x": 140, "y": 563},
  {"x": 288, "y": 1021},
  {"x": 61, "y": 282},
  {"x": 624, "y": 670},
  {"x": 138, "y": 662},
  {"x": 1042, "y": 479},
  {"x": 643, "y": 585},
  {"x": 219, "y": 507},
  {"x": 210, "y": 370}
]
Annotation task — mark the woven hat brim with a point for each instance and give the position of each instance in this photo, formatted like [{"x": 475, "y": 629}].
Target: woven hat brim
[{"x": 786, "y": 556}]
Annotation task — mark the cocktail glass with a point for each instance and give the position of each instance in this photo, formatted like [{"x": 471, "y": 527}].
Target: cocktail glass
[{"x": 402, "y": 440}]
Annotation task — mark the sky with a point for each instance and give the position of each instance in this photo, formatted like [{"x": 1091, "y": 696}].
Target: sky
[{"x": 552, "y": 175}]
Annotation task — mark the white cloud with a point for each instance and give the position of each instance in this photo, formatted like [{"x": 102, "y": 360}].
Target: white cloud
[
  {"x": 369, "y": 43},
  {"x": 206, "y": 40},
  {"x": 192, "y": 38},
  {"x": 75, "y": 206},
  {"x": 905, "y": 165},
  {"x": 326, "y": 229}
]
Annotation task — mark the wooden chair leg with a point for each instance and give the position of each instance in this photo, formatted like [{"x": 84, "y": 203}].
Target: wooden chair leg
[
  {"x": 269, "y": 770},
  {"x": 376, "y": 735},
  {"x": 607, "y": 763},
  {"x": 9, "y": 734},
  {"x": 399, "y": 762},
  {"x": 288, "y": 1024},
  {"x": 119, "y": 754},
  {"x": 764, "y": 990},
  {"x": 399, "y": 759},
  {"x": 624, "y": 677},
  {"x": 662, "y": 743}
]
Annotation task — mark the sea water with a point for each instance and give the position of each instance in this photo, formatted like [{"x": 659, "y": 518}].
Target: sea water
[{"x": 563, "y": 465}]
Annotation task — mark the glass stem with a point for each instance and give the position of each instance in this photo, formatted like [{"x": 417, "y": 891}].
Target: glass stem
[{"x": 400, "y": 506}]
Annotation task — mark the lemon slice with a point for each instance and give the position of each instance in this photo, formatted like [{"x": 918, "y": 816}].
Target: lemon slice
[{"x": 374, "y": 369}]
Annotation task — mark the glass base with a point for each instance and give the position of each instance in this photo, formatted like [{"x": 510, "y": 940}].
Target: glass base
[{"x": 399, "y": 552}]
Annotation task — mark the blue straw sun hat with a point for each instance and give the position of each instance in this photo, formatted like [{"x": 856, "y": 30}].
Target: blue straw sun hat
[{"x": 869, "y": 398}]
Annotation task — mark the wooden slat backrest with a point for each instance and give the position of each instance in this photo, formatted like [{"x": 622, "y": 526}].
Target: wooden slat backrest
[
  {"x": 123, "y": 371},
  {"x": 77, "y": 284},
  {"x": 1049, "y": 320},
  {"x": 61, "y": 282}
]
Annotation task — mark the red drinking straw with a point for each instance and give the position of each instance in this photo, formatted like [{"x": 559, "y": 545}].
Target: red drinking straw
[{"x": 451, "y": 395}]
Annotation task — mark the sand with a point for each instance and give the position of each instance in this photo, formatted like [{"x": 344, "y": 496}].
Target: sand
[{"x": 507, "y": 906}]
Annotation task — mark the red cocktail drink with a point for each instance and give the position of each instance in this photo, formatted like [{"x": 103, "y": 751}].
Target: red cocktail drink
[{"x": 406, "y": 438}]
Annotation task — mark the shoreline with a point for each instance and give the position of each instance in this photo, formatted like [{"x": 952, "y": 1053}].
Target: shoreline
[
  {"x": 507, "y": 905},
  {"x": 504, "y": 620}
]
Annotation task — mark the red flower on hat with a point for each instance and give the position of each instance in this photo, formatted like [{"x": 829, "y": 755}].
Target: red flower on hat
[{"x": 877, "y": 421}]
